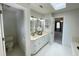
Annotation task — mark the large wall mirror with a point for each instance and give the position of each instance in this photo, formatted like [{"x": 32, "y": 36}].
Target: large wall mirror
[{"x": 37, "y": 25}]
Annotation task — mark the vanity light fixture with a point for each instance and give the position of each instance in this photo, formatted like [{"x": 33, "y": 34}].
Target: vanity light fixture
[{"x": 58, "y": 6}]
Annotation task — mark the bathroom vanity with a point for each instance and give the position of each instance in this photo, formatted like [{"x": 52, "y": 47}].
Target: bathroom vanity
[
  {"x": 38, "y": 42},
  {"x": 39, "y": 30}
]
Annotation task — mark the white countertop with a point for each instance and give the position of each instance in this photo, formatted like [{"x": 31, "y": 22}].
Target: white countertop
[{"x": 38, "y": 36}]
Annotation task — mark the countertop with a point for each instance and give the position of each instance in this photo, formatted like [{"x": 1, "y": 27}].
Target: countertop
[{"x": 38, "y": 36}]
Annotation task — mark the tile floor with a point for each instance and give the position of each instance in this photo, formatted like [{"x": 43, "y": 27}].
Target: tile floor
[
  {"x": 55, "y": 49},
  {"x": 17, "y": 51}
]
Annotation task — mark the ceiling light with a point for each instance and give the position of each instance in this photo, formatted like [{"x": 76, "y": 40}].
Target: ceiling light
[
  {"x": 41, "y": 6},
  {"x": 58, "y": 6}
]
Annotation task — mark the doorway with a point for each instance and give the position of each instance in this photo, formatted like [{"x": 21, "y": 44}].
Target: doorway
[
  {"x": 13, "y": 25},
  {"x": 58, "y": 30}
]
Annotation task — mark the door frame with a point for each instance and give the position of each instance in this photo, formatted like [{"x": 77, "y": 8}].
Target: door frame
[
  {"x": 62, "y": 27},
  {"x": 2, "y": 38}
]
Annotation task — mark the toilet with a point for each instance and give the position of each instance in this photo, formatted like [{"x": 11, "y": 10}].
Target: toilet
[{"x": 9, "y": 43}]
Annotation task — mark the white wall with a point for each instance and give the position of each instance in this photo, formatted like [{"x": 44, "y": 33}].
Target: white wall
[
  {"x": 50, "y": 30},
  {"x": 26, "y": 18},
  {"x": 27, "y": 31},
  {"x": 36, "y": 14},
  {"x": 9, "y": 20},
  {"x": 23, "y": 28},
  {"x": 20, "y": 29},
  {"x": 70, "y": 26}
]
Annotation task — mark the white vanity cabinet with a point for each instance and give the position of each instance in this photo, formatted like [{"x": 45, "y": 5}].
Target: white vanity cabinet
[{"x": 39, "y": 43}]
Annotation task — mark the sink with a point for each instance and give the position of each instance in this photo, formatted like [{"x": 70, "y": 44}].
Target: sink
[{"x": 39, "y": 33}]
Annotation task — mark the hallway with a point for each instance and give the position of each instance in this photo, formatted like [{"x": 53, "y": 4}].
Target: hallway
[{"x": 55, "y": 50}]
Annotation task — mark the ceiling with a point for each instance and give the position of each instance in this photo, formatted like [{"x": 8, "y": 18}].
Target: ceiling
[
  {"x": 69, "y": 6},
  {"x": 45, "y": 8}
]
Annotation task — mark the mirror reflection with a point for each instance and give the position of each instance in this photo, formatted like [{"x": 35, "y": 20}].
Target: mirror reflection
[{"x": 37, "y": 26}]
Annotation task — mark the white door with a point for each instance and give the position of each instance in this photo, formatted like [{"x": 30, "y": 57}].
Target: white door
[{"x": 2, "y": 38}]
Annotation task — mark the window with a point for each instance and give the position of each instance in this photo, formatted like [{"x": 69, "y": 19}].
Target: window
[
  {"x": 58, "y": 25},
  {"x": 58, "y": 6}
]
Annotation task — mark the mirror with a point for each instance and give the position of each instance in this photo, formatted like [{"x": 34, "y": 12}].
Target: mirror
[{"x": 37, "y": 26}]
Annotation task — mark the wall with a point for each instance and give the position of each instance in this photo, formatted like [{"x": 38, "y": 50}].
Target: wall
[
  {"x": 36, "y": 14},
  {"x": 26, "y": 20},
  {"x": 27, "y": 30},
  {"x": 20, "y": 29},
  {"x": 70, "y": 26},
  {"x": 9, "y": 20},
  {"x": 50, "y": 29},
  {"x": 23, "y": 30},
  {"x": 48, "y": 20}
]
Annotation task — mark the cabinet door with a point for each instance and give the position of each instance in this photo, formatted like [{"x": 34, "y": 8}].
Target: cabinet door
[
  {"x": 37, "y": 45},
  {"x": 34, "y": 46},
  {"x": 46, "y": 39},
  {"x": 41, "y": 44},
  {"x": 34, "y": 49}
]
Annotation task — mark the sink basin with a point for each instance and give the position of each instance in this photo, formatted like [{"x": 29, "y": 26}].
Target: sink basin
[{"x": 39, "y": 33}]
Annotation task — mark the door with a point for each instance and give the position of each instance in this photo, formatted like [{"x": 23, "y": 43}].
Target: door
[{"x": 2, "y": 38}]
